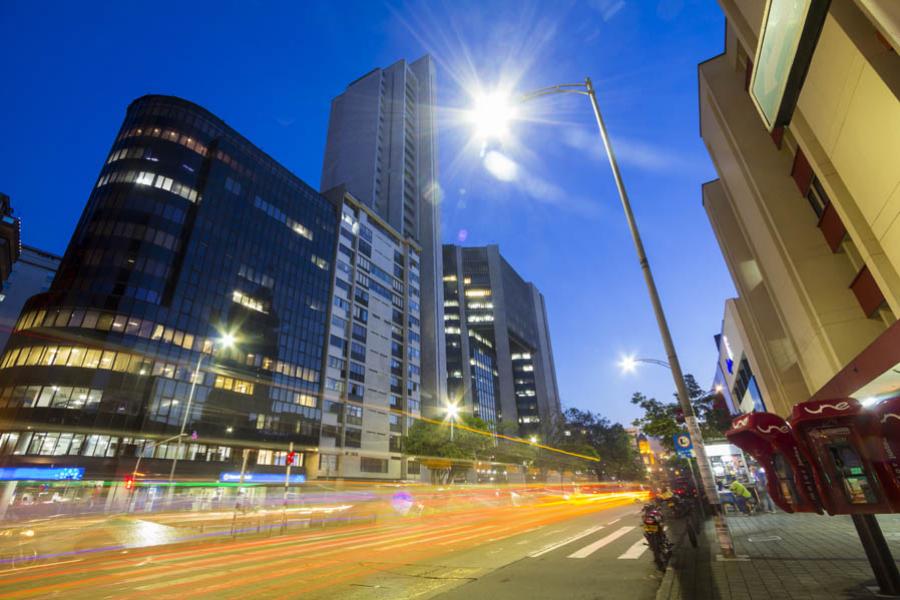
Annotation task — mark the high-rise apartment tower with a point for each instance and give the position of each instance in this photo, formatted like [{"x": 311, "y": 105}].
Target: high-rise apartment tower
[{"x": 382, "y": 146}]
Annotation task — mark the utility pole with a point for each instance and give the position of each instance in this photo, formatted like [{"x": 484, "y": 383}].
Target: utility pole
[{"x": 289, "y": 460}]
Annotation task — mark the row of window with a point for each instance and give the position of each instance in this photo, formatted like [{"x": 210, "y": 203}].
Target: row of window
[
  {"x": 250, "y": 302},
  {"x": 134, "y": 231},
  {"x": 76, "y": 444},
  {"x": 92, "y": 358},
  {"x": 129, "y": 325},
  {"x": 151, "y": 179},
  {"x": 232, "y": 384},
  {"x": 277, "y": 214},
  {"x": 50, "y": 396},
  {"x": 105, "y": 321},
  {"x": 166, "y": 134}
]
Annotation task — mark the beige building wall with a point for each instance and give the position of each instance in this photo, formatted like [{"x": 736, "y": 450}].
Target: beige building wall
[{"x": 803, "y": 320}]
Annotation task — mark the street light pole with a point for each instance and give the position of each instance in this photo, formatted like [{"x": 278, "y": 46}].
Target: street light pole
[
  {"x": 227, "y": 340},
  {"x": 706, "y": 475},
  {"x": 587, "y": 89},
  {"x": 187, "y": 412}
]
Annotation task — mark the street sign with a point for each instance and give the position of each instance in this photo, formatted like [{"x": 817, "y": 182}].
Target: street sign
[{"x": 684, "y": 447}]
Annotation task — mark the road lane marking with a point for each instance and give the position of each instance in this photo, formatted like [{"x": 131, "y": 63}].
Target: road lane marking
[
  {"x": 614, "y": 521},
  {"x": 15, "y": 570},
  {"x": 591, "y": 548},
  {"x": 638, "y": 548},
  {"x": 568, "y": 540}
]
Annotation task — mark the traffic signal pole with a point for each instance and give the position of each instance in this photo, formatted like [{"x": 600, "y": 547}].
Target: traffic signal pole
[{"x": 289, "y": 460}]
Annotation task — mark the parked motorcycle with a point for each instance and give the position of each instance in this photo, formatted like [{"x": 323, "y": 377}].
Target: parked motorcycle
[{"x": 655, "y": 533}]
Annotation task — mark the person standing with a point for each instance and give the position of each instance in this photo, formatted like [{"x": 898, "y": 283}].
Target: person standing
[{"x": 765, "y": 501}]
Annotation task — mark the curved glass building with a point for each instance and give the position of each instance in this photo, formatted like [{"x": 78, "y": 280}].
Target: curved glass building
[{"x": 192, "y": 238}]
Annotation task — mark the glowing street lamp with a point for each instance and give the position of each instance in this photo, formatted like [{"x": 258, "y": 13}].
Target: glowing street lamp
[
  {"x": 452, "y": 414},
  {"x": 493, "y": 113}
]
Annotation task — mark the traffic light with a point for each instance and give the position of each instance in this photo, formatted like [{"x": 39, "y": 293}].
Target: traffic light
[
  {"x": 129, "y": 482},
  {"x": 679, "y": 415},
  {"x": 290, "y": 457}
]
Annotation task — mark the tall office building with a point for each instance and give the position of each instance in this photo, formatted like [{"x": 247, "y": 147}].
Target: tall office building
[
  {"x": 10, "y": 241},
  {"x": 499, "y": 357},
  {"x": 806, "y": 208},
  {"x": 31, "y": 274},
  {"x": 373, "y": 374},
  {"x": 382, "y": 146},
  {"x": 190, "y": 234}
]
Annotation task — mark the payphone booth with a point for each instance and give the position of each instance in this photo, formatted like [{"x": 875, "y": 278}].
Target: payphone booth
[
  {"x": 768, "y": 439},
  {"x": 837, "y": 435},
  {"x": 884, "y": 447}
]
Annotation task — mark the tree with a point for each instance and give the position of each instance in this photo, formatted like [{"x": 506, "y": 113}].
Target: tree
[
  {"x": 619, "y": 459},
  {"x": 661, "y": 419},
  {"x": 443, "y": 457}
]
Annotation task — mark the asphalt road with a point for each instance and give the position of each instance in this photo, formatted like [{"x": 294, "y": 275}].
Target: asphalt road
[{"x": 559, "y": 549}]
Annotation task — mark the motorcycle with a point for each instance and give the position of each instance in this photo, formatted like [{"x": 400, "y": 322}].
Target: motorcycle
[{"x": 653, "y": 525}]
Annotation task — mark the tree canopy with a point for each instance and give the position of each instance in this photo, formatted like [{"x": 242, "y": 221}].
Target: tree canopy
[{"x": 663, "y": 420}]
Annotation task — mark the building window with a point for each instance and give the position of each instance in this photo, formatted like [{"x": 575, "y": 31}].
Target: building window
[
  {"x": 373, "y": 465},
  {"x": 353, "y": 438}
]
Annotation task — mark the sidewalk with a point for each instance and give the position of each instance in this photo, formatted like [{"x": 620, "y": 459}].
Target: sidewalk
[{"x": 787, "y": 556}]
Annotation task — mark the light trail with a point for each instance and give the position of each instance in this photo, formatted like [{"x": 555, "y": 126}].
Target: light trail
[{"x": 276, "y": 563}]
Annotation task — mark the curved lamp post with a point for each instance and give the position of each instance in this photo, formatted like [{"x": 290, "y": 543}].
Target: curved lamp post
[{"x": 493, "y": 116}]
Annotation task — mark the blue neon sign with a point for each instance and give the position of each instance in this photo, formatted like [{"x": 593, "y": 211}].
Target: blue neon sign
[
  {"x": 41, "y": 473},
  {"x": 260, "y": 478}
]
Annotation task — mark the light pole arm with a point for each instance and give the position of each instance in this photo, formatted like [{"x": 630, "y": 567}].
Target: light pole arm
[{"x": 653, "y": 361}]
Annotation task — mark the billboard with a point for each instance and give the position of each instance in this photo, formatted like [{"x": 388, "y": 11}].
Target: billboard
[{"x": 787, "y": 40}]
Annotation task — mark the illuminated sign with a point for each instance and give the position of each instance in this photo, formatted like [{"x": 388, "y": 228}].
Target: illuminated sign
[
  {"x": 41, "y": 473},
  {"x": 729, "y": 362},
  {"x": 260, "y": 478},
  {"x": 787, "y": 41}
]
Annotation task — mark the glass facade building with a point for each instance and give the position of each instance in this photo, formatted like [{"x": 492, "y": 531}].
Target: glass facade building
[
  {"x": 499, "y": 358},
  {"x": 190, "y": 233}
]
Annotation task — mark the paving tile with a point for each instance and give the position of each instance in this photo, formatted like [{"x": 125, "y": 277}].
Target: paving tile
[{"x": 816, "y": 557}]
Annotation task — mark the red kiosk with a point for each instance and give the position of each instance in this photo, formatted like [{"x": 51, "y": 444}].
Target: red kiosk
[
  {"x": 768, "y": 439},
  {"x": 841, "y": 439},
  {"x": 884, "y": 447}
]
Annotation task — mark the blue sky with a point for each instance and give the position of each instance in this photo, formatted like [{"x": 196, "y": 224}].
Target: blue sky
[{"x": 270, "y": 70}]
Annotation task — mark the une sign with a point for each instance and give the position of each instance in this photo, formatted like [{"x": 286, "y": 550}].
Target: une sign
[{"x": 788, "y": 38}]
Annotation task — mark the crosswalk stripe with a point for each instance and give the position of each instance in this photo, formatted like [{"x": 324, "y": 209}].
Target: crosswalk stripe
[
  {"x": 638, "y": 548},
  {"x": 591, "y": 548},
  {"x": 568, "y": 540}
]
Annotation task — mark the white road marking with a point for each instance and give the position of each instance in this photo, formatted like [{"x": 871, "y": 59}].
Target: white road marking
[
  {"x": 614, "y": 521},
  {"x": 591, "y": 548},
  {"x": 17, "y": 569},
  {"x": 638, "y": 548},
  {"x": 568, "y": 540}
]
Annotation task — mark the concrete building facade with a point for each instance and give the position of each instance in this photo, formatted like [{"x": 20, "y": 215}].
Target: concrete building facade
[
  {"x": 737, "y": 364},
  {"x": 31, "y": 274},
  {"x": 499, "y": 356},
  {"x": 10, "y": 238},
  {"x": 373, "y": 373},
  {"x": 808, "y": 215},
  {"x": 382, "y": 146}
]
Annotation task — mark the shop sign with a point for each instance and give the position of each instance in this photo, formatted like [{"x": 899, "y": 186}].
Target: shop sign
[{"x": 787, "y": 40}]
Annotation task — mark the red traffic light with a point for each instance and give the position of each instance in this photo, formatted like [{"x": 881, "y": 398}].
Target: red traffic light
[
  {"x": 129, "y": 482},
  {"x": 679, "y": 415},
  {"x": 290, "y": 457}
]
